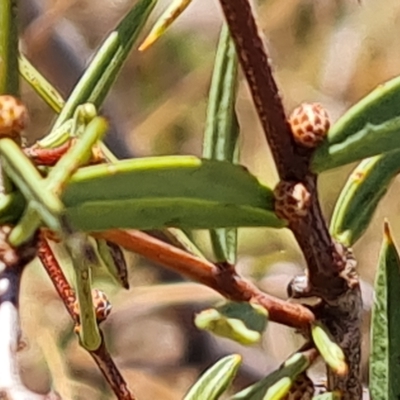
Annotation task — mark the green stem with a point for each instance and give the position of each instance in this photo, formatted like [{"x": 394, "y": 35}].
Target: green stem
[
  {"x": 28, "y": 179},
  {"x": 88, "y": 330},
  {"x": 9, "y": 77},
  {"x": 76, "y": 156}
]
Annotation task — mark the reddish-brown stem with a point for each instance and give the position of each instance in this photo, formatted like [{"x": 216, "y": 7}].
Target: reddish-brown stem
[
  {"x": 291, "y": 163},
  {"x": 49, "y": 157},
  {"x": 228, "y": 283},
  {"x": 255, "y": 65},
  {"x": 53, "y": 269},
  {"x": 101, "y": 356},
  {"x": 110, "y": 371},
  {"x": 331, "y": 270},
  {"x": 317, "y": 245}
]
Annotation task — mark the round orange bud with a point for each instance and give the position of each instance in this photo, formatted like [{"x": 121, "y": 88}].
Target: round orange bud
[
  {"x": 13, "y": 116},
  {"x": 310, "y": 124},
  {"x": 292, "y": 200}
]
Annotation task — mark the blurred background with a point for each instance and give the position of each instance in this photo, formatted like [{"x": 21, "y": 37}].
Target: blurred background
[{"x": 330, "y": 51}]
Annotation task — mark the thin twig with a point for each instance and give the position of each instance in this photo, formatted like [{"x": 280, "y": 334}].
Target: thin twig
[
  {"x": 110, "y": 371},
  {"x": 101, "y": 355},
  {"x": 57, "y": 276},
  {"x": 229, "y": 284}
]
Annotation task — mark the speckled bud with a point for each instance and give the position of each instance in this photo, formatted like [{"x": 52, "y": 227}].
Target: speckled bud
[
  {"x": 13, "y": 116},
  {"x": 310, "y": 124},
  {"x": 292, "y": 200},
  {"x": 101, "y": 304}
]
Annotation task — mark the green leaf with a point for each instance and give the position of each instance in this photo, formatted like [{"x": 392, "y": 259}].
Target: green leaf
[
  {"x": 46, "y": 205},
  {"x": 368, "y": 128},
  {"x": 40, "y": 84},
  {"x": 11, "y": 207},
  {"x": 385, "y": 338},
  {"x": 240, "y": 321},
  {"x": 83, "y": 257},
  {"x": 114, "y": 261},
  {"x": 215, "y": 380},
  {"x": 221, "y": 134},
  {"x": 176, "y": 191},
  {"x": 74, "y": 127},
  {"x": 174, "y": 10},
  {"x": 361, "y": 195},
  {"x": 276, "y": 385},
  {"x": 222, "y": 131},
  {"x": 330, "y": 351},
  {"x": 28, "y": 179},
  {"x": 106, "y": 64},
  {"x": 181, "y": 239}
]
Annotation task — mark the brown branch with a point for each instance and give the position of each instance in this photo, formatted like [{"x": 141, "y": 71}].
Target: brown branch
[
  {"x": 291, "y": 161},
  {"x": 228, "y": 283},
  {"x": 255, "y": 65},
  {"x": 110, "y": 371},
  {"x": 101, "y": 355},
  {"x": 331, "y": 269}
]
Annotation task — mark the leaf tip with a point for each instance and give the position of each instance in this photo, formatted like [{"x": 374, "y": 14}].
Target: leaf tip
[
  {"x": 387, "y": 232},
  {"x": 147, "y": 42}
]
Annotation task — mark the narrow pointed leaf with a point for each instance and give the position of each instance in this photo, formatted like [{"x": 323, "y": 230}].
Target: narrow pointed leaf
[
  {"x": 82, "y": 256},
  {"x": 29, "y": 181},
  {"x": 181, "y": 239},
  {"x": 12, "y": 206},
  {"x": 114, "y": 260},
  {"x": 106, "y": 64},
  {"x": 385, "y": 339},
  {"x": 276, "y": 385},
  {"x": 215, "y": 380},
  {"x": 222, "y": 131},
  {"x": 368, "y": 128},
  {"x": 158, "y": 192},
  {"x": 361, "y": 195},
  {"x": 40, "y": 84},
  {"x": 330, "y": 351},
  {"x": 174, "y": 10},
  {"x": 240, "y": 321},
  {"x": 368, "y": 142}
]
